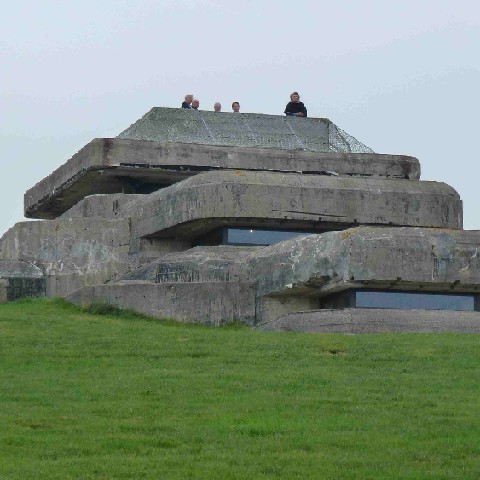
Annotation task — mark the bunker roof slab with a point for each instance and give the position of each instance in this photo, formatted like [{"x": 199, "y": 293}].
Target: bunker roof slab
[{"x": 167, "y": 145}]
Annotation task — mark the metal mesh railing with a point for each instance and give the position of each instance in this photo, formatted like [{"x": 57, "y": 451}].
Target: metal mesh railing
[{"x": 243, "y": 130}]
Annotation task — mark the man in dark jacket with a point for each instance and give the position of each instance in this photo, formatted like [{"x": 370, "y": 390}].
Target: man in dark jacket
[
  {"x": 295, "y": 107},
  {"x": 188, "y": 101}
]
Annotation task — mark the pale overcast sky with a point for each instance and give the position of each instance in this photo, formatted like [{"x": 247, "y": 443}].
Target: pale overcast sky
[{"x": 400, "y": 76}]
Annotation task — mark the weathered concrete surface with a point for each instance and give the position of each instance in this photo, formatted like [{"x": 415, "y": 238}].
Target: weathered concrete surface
[
  {"x": 368, "y": 320},
  {"x": 275, "y": 200},
  {"x": 208, "y": 303},
  {"x": 146, "y": 250},
  {"x": 102, "y": 205},
  {"x": 18, "y": 269},
  {"x": 116, "y": 206},
  {"x": 295, "y": 275},
  {"x": 106, "y": 166},
  {"x": 397, "y": 258},
  {"x": 319, "y": 264},
  {"x": 312, "y": 267},
  {"x": 221, "y": 263},
  {"x": 70, "y": 253},
  {"x": 245, "y": 130}
]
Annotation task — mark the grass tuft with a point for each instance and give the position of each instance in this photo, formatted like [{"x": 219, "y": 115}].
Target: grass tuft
[{"x": 103, "y": 309}]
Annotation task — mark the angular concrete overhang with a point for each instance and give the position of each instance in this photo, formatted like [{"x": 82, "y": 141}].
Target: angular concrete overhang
[
  {"x": 291, "y": 201},
  {"x": 385, "y": 258},
  {"x": 222, "y": 263},
  {"x": 101, "y": 205},
  {"x": 19, "y": 269},
  {"x": 114, "y": 165}
]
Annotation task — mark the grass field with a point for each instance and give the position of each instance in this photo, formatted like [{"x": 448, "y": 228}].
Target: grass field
[{"x": 89, "y": 396}]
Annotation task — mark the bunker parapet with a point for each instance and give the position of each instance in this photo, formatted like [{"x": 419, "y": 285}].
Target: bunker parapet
[
  {"x": 278, "y": 222},
  {"x": 245, "y": 130}
]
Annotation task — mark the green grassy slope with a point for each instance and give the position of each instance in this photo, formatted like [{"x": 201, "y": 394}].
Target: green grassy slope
[{"x": 88, "y": 396}]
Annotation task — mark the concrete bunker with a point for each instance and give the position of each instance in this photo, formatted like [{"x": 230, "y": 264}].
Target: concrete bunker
[{"x": 277, "y": 222}]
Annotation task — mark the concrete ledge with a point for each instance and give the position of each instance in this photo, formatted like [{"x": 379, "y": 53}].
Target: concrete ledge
[
  {"x": 207, "y": 303},
  {"x": 275, "y": 200},
  {"x": 19, "y": 269},
  {"x": 366, "y": 320},
  {"x": 366, "y": 257},
  {"x": 114, "y": 165}
]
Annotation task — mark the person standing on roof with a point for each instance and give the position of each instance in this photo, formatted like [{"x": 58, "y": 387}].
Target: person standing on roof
[
  {"x": 188, "y": 101},
  {"x": 295, "y": 108}
]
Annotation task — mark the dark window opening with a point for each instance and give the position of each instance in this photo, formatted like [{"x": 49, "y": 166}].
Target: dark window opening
[
  {"x": 136, "y": 186},
  {"x": 248, "y": 236},
  {"x": 467, "y": 302}
]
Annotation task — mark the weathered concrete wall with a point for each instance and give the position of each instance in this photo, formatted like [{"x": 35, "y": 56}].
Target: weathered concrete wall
[
  {"x": 70, "y": 253},
  {"x": 146, "y": 250},
  {"x": 113, "y": 206},
  {"x": 18, "y": 269},
  {"x": 368, "y": 320},
  {"x": 102, "y": 205},
  {"x": 270, "y": 308},
  {"x": 293, "y": 276},
  {"x": 200, "y": 264},
  {"x": 208, "y": 303},
  {"x": 266, "y": 199}
]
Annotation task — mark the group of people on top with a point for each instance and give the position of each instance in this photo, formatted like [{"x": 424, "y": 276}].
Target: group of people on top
[
  {"x": 294, "y": 108},
  {"x": 194, "y": 104}
]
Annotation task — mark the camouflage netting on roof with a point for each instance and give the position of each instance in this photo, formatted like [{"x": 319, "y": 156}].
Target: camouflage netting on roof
[{"x": 243, "y": 130}]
